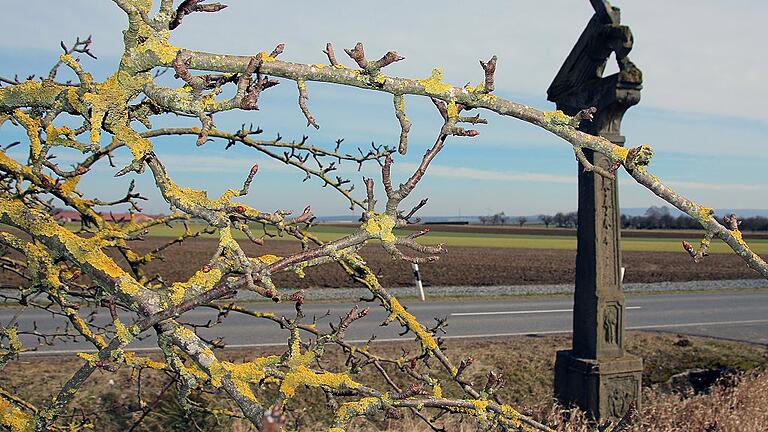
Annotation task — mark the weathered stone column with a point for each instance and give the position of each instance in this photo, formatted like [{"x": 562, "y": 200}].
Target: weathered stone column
[{"x": 596, "y": 374}]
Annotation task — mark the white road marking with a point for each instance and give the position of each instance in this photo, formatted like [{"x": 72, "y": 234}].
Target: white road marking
[
  {"x": 715, "y": 323},
  {"x": 488, "y": 335},
  {"x": 524, "y": 312}
]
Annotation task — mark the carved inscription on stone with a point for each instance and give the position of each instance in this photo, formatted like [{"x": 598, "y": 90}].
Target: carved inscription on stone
[{"x": 606, "y": 220}]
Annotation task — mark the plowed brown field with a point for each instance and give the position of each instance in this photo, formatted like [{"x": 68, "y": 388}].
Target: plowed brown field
[{"x": 463, "y": 266}]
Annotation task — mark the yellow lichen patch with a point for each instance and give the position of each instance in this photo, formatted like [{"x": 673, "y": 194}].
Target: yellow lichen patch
[
  {"x": 318, "y": 66},
  {"x": 245, "y": 389},
  {"x": 511, "y": 415},
  {"x": 370, "y": 279},
  {"x": 90, "y": 358},
  {"x": 159, "y": 45},
  {"x": 137, "y": 144},
  {"x": 437, "y": 391},
  {"x": 185, "y": 334},
  {"x": 85, "y": 77},
  {"x": 73, "y": 98},
  {"x": 209, "y": 102},
  {"x": 128, "y": 287},
  {"x": 739, "y": 236},
  {"x": 31, "y": 125},
  {"x": 398, "y": 312},
  {"x": 435, "y": 85},
  {"x": 303, "y": 376},
  {"x": 200, "y": 281},
  {"x": 123, "y": 334},
  {"x": 27, "y": 92},
  {"x": 14, "y": 419},
  {"x": 83, "y": 327},
  {"x": 269, "y": 259},
  {"x": 557, "y": 118},
  {"x": 351, "y": 409},
  {"x": 453, "y": 110},
  {"x": 475, "y": 89},
  {"x": 252, "y": 371},
  {"x": 13, "y": 339},
  {"x": 68, "y": 186},
  {"x": 143, "y": 5},
  {"x": 266, "y": 58},
  {"x": 620, "y": 152},
  {"x": 480, "y": 406},
  {"x": 299, "y": 270},
  {"x": 186, "y": 198},
  {"x": 488, "y": 98},
  {"x": 177, "y": 292},
  {"x": 705, "y": 212},
  {"x": 8, "y": 164},
  {"x": 108, "y": 104},
  {"x": 131, "y": 359},
  {"x": 243, "y": 374},
  {"x": 193, "y": 370},
  {"x": 226, "y": 241},
  {"x": 39, "y": 262},
  {"x": 86, "y": 252},
  {"x": 298, "y": 359},
  {"x": 380, "y": 226}
]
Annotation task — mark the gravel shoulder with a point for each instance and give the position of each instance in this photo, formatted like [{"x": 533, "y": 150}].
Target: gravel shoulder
[{"x": 525, "y": 290}]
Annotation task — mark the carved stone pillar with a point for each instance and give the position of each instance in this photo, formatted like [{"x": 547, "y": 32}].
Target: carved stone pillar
[{"x": 596, "y": 374}]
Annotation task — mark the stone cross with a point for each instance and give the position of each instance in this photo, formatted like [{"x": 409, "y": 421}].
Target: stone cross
[{"x": 596, "y": 374}]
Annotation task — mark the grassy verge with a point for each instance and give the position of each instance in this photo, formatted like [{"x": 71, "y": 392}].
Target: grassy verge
[{"x": 111, "y": 403}]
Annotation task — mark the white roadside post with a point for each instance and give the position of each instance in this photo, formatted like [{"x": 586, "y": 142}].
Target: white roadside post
[{"x": 417, "y": 276}]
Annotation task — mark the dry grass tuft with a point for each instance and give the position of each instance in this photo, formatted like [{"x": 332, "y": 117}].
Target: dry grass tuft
[{"x": 727, "y": 408}]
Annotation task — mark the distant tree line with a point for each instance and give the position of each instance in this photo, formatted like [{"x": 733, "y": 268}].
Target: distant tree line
[
  {"x": 561, "y": 220},
  {"x": 497, "y": 219},
  {"x": 656, "y": 217},
  {"x": 660, "y": 218}
]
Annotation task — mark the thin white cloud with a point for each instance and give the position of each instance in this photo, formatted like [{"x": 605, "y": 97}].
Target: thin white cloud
[
  {"x": 487, "y": 175},
  {"x": 529, "y": 177}
]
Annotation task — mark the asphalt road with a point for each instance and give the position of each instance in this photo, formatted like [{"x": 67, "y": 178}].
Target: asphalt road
[{"x": 736, "y": 315}]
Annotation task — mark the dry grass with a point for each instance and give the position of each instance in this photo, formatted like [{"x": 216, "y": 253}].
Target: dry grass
[
  {"x": 110, "y": 401},
  {"x": 739, "y": 408}
]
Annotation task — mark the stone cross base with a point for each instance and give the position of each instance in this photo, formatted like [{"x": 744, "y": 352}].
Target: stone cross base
[{"x": 602, "y": 388}]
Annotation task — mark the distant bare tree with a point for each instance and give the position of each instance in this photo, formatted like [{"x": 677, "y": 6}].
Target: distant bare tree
[
  {"x": 522, "y": 220},
  {"x": 547, "y": 219}
]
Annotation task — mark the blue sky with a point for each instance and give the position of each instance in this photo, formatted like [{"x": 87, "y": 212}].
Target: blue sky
[{"x": 703, "y": 103}]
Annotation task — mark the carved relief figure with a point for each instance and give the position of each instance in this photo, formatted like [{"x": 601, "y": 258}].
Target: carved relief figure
[
  {"x": 610, "y": 325},
  {"x": 622, "y": 392},
  {"x": 618, "y": 402}
]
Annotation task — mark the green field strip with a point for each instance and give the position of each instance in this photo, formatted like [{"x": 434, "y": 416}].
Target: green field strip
[{"x": 517, "y": 241}]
